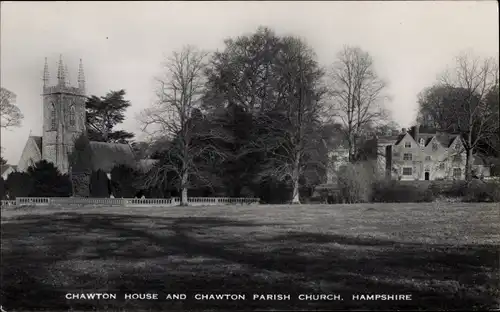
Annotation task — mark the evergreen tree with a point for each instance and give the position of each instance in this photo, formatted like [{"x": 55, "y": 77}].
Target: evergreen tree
[
  {"x": 99, "y": 184},
  {"x": 48, "y": 181},
  {"x": 81, "y": 166},
  {"x": 124, "y": 181},
  {"x": 18, "y": 184},
  {"x": 103, "y": 114},
  {"x": 2, "y": 188}
]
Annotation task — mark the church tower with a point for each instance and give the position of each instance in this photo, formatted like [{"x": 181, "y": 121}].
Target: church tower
[{"x": 63, "y": 115}]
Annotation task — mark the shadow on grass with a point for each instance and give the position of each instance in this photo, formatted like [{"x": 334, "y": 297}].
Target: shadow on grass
[{"x": 46, "y": 256}]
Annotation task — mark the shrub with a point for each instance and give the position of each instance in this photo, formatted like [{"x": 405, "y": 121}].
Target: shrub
[
  {"x": 124, "y": 181},
  {"x": 325, "y": 196},
  {"x": 99, "y": 184},
  {"x": 390, "y": 191},
  {"x": 355, "y": 183},
  {"x": 18, "y": 184},
  {"x": 2, "y": 188},
  {"x": 449, "y": 188},
  {"x": 48, "y": 181},
  {"x": 479, "y": 191}
]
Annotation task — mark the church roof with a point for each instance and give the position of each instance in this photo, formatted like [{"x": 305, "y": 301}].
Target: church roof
[
  {"x": 108, "y": 155},
  {"x": 38, "y": 141}
]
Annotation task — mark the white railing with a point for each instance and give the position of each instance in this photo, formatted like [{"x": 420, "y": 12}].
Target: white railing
[
  {"x": 39, "y": 201},
  {"x": 151, "y": 201},
  {"x": 222, "y": 200},
  {"x": 5, "y": 202},
  {"x": 127, "y": 202},
  {"x": 86, "y": 201}
]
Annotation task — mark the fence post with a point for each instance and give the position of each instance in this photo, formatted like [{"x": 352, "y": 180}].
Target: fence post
[{"x": 124, "y": 202}]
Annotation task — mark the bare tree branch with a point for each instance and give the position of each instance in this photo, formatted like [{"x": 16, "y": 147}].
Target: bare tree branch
[
  {"x": 173, "y": 117},
  {"x": 473, "y": 77},
  {"x": 10, "y": 114},
  {"x": 356, "y": 95}
]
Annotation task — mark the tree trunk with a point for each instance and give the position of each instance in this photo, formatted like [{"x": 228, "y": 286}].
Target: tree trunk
[
  {"x": 351, "y": 148},
  {"x": 468, "y": 165},
  {"x": 184, "y": 190},
  {"x": 295, "y": 180}
]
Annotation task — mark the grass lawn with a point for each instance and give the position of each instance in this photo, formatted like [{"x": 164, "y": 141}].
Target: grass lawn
[{"x": 445, "y": 256}]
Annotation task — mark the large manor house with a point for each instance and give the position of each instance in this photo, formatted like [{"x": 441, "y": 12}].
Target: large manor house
[
  {"x": 63, "y": 121},
  {"x": 413, "y": 155}
]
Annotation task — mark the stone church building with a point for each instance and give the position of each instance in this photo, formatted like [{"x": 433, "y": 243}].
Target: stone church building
[{"x": 63, "y": 121}]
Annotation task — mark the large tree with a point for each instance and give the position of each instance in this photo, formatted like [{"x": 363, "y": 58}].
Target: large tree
[
  {"x": 176, "y": 117},
  {"x": 462, "y": 101},
  {"x": 243, "y": 73},
  {"x": 357, "y": 95},
  {"x": 10, "y": 114},
  {"x": 103, "y": 114},
  {"x": 265, "y": 90},
  {"x": 239, "y": 87},
  {"x": 293, "y": 125}
]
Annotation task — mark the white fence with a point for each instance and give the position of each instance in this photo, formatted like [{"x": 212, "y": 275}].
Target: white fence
[{"x": 127, "y": 202}]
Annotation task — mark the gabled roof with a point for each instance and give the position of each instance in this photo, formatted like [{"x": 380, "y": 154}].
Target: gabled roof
[
  {"x": 427, "y": 137},
  {"x": 38, "y": 141},
  {"x": 446, "y": 139},
  {"x": 402, "y": 136},
  {"x": 390, "y": 139},
  {"x": 108, "y": 155}
]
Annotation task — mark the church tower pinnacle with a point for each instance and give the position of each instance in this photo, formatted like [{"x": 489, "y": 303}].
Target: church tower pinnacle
[
  {"x": 46, "y": 76},
  {"x": 61, "y": 75},
  {"x": 67, "y": 76},
  {"x": 81, "y": 78}
]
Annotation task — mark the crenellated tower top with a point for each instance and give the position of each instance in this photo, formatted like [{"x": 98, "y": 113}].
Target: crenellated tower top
[{"x": 63, "y": 82}]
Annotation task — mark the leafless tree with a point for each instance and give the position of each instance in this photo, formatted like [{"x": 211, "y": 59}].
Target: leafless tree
[
  {"x": 173, "y": 118},
  {"x": 357, "y": 95},
  {"x": 474, "y": 77},
  {"x": 10, "y": 114}
]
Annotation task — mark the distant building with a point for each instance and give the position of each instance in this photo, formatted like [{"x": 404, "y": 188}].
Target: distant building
[
  {"x": 63, "y": 121},
  {"x": 6, "y": 170},
  {"x": 424, "y": 156},
  {"x": 337, "y": 158}
]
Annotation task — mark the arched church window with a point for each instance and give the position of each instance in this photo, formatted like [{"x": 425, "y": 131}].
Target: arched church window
[
  {"x": 52, "y": 116},
  {"x": 72, "y": 116}
]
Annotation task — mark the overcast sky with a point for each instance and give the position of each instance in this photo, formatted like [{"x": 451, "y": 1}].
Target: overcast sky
[{"x": 122, "y": 44}]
